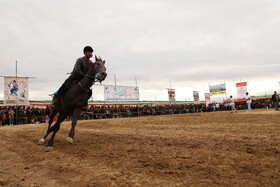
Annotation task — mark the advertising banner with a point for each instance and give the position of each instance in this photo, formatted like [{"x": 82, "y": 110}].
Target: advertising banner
[
  {"x": 217, "y": 89},
  {"x": 16, "y": 91},
  {"x": 196, "y": 97},
  {"x": 121, "y": 93},
  {"x": 241, "y": 89},
  {"x": 171, "y": 96},
  {"x": 207, "y": 99}
]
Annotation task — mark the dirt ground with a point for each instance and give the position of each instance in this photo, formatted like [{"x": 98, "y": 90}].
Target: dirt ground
[{"x": 203, "y": 149}]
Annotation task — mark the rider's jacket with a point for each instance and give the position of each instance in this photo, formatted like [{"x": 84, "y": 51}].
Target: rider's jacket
[{"x": 80, "y": 68}]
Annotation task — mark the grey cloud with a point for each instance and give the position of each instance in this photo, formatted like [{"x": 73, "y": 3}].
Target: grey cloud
[{"x": 188, "y": 42}]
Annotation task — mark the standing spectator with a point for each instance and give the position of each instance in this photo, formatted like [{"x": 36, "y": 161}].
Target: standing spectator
[
  {"x": 214, "y": 106},
  {"x": 232, "y": 104},
  {"x": 11, "y": 113},
  {"x": 2, "y": 113},
  {"x": 1, "y": 117},
  {"x": 275, "y": 99},
  {"x": 24, "y": 116},
  {"x": 217, "y": 107},
  {"x": 29, "y": 114},
  {"x": 19, "y": 115},
  {"x": 4, "y": 118},
  {"x": 249, "y": 101}
]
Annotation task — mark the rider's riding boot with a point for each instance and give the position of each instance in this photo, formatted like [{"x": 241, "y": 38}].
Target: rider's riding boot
[
  {"x": 54, "y": 101},
  {"x": 63, "y": 88}
]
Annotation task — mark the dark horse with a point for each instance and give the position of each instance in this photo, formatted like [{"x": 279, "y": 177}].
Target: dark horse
[{"x": 73, "y": 101}]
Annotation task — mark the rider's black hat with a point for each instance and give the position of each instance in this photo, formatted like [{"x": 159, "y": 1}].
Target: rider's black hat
[{"x": 88, "y": 48}]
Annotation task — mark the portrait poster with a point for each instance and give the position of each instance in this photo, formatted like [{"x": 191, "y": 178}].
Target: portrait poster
[
  {"x": 16, "y": 91},
  {"x": 196, "y": 97},
  {"x": 171, "y": 96}
]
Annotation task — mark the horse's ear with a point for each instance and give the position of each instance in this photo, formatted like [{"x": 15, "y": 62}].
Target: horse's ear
[{"x": 96, "y": 59}]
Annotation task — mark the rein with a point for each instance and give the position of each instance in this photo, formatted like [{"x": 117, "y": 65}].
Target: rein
[
  {"x": 83, "y": 87},
  {"x": 89, "y": 76},
  {"x": 91, "y": 84}
]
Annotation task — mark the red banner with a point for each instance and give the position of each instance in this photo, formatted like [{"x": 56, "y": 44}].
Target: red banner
[
  {"x": 241, "y": 88},
  {"x": 240, "y": 84},
  {"x": 207, "y": 99}
]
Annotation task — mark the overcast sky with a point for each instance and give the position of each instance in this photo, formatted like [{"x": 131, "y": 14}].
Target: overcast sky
[{"x": 190, "y": 43}]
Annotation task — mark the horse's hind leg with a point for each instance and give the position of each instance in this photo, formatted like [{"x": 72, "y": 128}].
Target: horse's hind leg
[
  {"x": 75, "y": 117},
  {"x": 55, "y": 129},
  {"x": 53, "y": 114}
]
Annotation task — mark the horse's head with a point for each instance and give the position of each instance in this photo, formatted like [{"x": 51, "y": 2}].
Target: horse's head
[{"x": 100, "y": 69}]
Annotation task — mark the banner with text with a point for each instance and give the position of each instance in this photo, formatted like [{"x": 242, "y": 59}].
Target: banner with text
[
  {"x": 121, "y": 93},
  {"x": 16, "y": 91},
  {"x": 196, "y": 97},
  {"x": 207, "y": 99},
  {"x": 241, "y": 88},
  {"x": 171, "y": 96},
  {"x": 217, "y": 89}
]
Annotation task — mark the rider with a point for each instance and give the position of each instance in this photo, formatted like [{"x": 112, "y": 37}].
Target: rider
[{"x": 79, "y": 70}]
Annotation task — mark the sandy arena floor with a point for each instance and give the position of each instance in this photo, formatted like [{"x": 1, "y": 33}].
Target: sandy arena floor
[{"x": 205, "y": 149}]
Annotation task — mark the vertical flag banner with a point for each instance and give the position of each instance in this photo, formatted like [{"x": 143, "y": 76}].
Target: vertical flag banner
[
  {"x": 121, "y": 93},
  {"x": 207, "y": 99},
  {"x": 196, "y": 97},
  {"x": 16, "y": 91},
  {"x": 241, "y": 88},
  {"x": 217, "y": 89},
  {"x": 171, "y": 96}
]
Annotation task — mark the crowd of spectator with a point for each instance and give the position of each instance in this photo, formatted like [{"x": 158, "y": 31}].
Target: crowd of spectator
[{"x": 11, "y": 115}]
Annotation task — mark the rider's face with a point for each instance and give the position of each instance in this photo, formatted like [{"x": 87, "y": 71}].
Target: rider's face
[{"x": 88, "y": 54}]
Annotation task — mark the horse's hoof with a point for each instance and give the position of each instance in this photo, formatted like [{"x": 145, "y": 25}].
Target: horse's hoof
[
  {"x": 70, "y": 140},
  {"x": 41, "y": 141},
  {"x": 49, "y": 148}
]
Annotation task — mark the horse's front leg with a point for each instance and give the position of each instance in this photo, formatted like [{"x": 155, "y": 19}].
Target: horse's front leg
[
  {"x": 75, "y": 117},
  {"x": 55, "y": 129}
]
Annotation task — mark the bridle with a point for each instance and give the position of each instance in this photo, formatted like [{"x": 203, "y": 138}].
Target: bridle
[
  {"x": 90, "y": 76},
  {"x": 94, "y": 80}
]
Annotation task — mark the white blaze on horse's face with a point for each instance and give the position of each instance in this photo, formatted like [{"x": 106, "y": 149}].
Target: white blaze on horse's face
[{"x": 101, "y": 70}]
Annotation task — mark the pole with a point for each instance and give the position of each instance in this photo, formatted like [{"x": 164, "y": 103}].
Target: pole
[
  {"x": 226, "y": 91},
  {"x": 170, "y": 83},
  {"x": 135, "y": 82},
  {"x": 115, "y": 80},
  {"x": 16, "y": 112},
  {"x": 16, "y": 68},
  {"x": 204, "y": 89}
]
